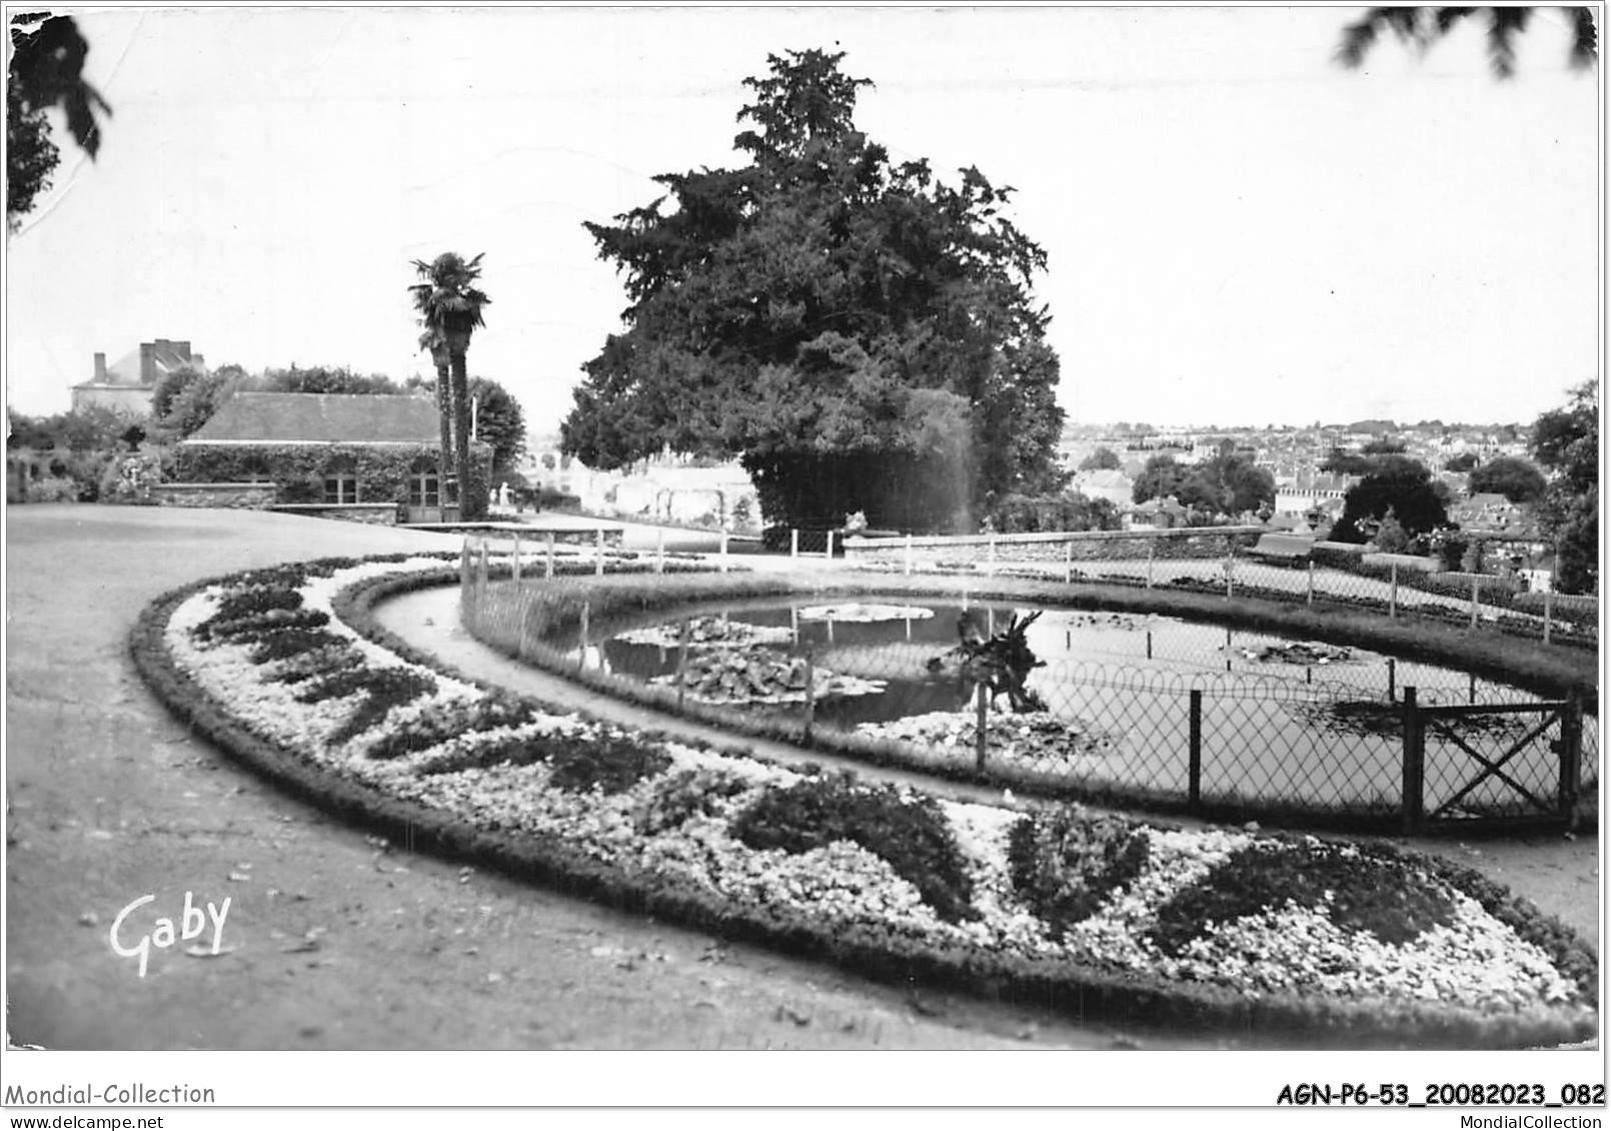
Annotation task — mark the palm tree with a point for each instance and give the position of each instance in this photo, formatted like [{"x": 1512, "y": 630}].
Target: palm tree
[
  {"x": 436, "y": 345},
  {"x": 1424, "y": 25},
  {"x": 450, "y": 308}
]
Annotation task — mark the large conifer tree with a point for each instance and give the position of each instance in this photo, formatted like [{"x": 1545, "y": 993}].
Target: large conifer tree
[{"x": 861, "y": 335}]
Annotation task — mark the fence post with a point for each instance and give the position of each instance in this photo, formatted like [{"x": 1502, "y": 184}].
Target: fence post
[
  {"x": 1471, "y": 698},
  {"x": 548, "y": 570},
  {"x": 908, "y": 555},
  {"x": 990, "y": 555},
  {"x": 1310, "y": 599},
  {"x": 660, "y": 549},
  {"x": 514, "y": 565},
  {"x": 581, "y": 650},
  {"x": 810, "y": 694},
  {"x": 481, "y": 570},
  {"x": 1068, "y": 562},
  {"x": 981, "y": 725},
  {"x": 1152, "y": 550},
  {"x": 1392, "y": 593},
  {"x": 1571, "y": 757},
  {"x": 1414, "y": 768},
  {"x": 1194, "y": 752},
  {"x": 682, "y": 663},
  {"x": 1392, "y": 680},
  {"x": 528, "y": 638},
  {"x": 1548, "y": 602},
  {"x": 1475, "y": 588},
  {"x": 828, "y": 553},
  {"x": 1230, "y": 564},
  {"x": 464, "y": 564},
  {"x": 598, "y": 547},
  {"x": 794, "y": 542}
]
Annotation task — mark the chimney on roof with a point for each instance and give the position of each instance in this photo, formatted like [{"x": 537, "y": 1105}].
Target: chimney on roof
[
  {"x": 100, "y": 369},
  {"x": 148, "y": 362}
]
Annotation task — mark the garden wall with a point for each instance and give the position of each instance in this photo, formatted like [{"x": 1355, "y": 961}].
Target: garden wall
[
  {"x": 371, "y": 514},
  {"x": 237, "y": 496}
]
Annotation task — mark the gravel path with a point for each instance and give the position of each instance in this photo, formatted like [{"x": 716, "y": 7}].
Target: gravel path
[{"x": 334, "y": 941}]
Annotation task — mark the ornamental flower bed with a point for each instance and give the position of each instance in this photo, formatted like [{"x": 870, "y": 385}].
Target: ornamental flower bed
[{"x": 1348, "y": 943}]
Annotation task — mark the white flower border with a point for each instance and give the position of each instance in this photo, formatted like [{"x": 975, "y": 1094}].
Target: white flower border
[{"x": 842, "y": 890}]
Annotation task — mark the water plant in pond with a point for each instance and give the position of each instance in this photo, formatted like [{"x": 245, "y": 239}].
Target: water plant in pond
[
  {"x": 759, "y": 677},
  {"x": 1302, "y": 654},
  {"x": 1376, "y": 718},
  {"x": 1038, "y": 737},
  {"x": 706, "y": 632}
]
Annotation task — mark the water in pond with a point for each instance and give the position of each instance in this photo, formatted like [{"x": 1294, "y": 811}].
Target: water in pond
[{"x": 1279, "y": 719}]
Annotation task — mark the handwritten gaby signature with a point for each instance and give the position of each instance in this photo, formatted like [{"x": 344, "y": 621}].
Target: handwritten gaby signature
[{"x": 192, "y": 924}]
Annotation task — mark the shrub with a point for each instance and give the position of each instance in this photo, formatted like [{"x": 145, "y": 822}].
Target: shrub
[
  {"x": 1368, "y": 892},
  {"x": 53, "y": 489},
  {"x": 912, "y": 835},
  {"x": 609, "y": 761},
  {"x": 436, "y": 727},
  {"x": 1451, "y": 552},
  {"x": 253, "y": 625},
  {"x": 1068, "y": 510},
  {"x": 128, "y": 480},
  {"x": 312, "y": 664},
  {"x": 688, "y": 793},
  {"x": 382, "y": 689},
  {"x": 284, "y": 643},
  {"x": 550, "y": 499},
  {"x": 1064, "y": 863},
  {"x": 256, "y": 599},
  {"x": 613, "y": 763}
]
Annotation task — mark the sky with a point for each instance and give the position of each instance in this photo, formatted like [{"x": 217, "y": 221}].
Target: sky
[{"x": 1239, "y": 231}]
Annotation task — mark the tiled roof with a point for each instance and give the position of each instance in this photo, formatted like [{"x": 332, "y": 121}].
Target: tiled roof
[{"x": 322, "y": 418}]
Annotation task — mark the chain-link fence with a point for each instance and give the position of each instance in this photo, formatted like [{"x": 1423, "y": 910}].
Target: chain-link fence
[{"x": 1132, "y": 710}]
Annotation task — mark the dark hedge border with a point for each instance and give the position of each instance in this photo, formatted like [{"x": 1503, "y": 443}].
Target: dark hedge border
[
  {"x": 1083, "y": 994},
  {"x": 631, "y": 594}
]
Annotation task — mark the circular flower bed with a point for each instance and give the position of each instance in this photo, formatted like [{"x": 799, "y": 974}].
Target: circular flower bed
[{"x": 1347, "y": 943}]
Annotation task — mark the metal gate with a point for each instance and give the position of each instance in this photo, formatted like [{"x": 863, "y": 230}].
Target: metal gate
[{"x": 1499, "y": 764}]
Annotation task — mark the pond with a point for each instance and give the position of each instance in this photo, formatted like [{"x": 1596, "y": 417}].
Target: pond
[{"x": 1110, "y": 697}]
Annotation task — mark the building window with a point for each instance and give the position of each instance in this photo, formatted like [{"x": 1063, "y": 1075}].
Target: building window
[
  {"x": 423, "y": 490},
  {"x": 341, "y": 488},
  {"x": 341, "y": 481}
]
